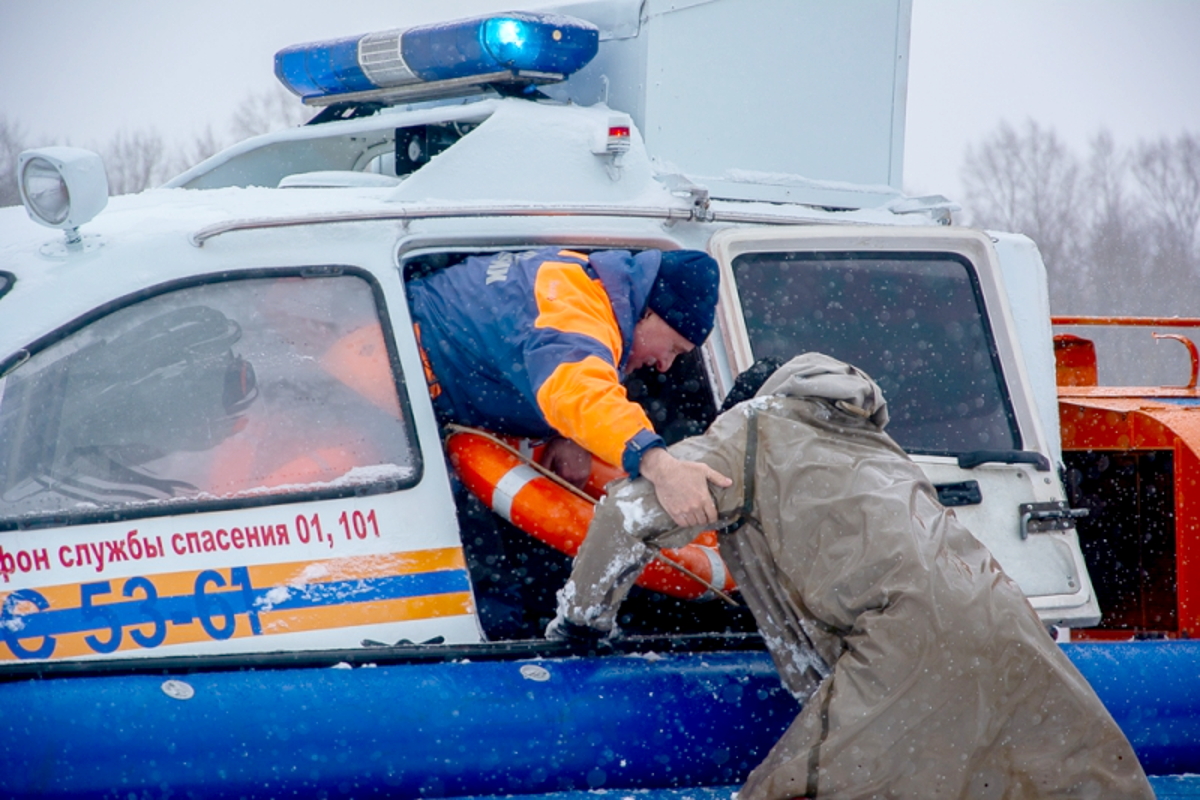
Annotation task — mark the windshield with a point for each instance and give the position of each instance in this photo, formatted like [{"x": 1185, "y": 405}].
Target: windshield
[
  {"x": 229, "y": 389},
  {"x": 915, "y": 323}
]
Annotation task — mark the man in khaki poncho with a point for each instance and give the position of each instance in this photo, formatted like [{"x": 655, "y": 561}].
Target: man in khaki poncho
[{"x": 923, "y": 670}]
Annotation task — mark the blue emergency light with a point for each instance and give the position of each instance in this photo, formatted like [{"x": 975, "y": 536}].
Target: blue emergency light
[{"x": 505, "y": 48}]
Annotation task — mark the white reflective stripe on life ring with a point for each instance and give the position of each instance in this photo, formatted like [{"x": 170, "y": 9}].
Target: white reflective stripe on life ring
[
  {"x": 718, "y": 569},
  {"x": 507, "y": 488}
]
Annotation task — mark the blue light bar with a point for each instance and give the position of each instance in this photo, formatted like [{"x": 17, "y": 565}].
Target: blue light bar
[{"x": 536, "y": 48}]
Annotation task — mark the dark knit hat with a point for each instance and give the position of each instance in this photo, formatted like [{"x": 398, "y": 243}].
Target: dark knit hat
[{"x": 685, "y": 293}]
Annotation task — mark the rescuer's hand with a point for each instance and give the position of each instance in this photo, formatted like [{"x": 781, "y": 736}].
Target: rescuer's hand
[
  {"x": 567, "y": 460},
  {"x": 682, "y": 487}
]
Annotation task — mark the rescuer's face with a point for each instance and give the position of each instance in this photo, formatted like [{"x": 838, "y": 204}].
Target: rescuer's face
[{"x": 656, "y": 344}]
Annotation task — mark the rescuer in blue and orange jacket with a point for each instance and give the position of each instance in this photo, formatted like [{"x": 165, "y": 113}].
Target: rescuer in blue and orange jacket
[{"x": 535, "y": 345}]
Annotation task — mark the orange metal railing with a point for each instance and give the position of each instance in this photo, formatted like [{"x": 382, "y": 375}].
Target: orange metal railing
[{"x": 1084, "y": 374}]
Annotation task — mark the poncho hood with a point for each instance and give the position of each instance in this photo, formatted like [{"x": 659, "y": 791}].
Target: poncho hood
[{"x": 815, "y": 375}]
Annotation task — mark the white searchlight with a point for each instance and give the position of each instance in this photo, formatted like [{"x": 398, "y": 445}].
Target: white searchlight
[{"x": 63, "y": 187}]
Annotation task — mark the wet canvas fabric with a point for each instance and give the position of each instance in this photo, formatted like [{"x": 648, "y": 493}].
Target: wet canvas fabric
[{"x": 922, "y": 669}]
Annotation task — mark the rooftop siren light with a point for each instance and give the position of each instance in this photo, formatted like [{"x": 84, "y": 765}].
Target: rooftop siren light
[
  {"x": 63, "y": 187},
  {"x": 443, "y": 59}
]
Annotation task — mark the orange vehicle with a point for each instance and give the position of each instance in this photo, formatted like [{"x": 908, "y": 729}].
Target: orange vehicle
[{"x": 1132, "y": 454}]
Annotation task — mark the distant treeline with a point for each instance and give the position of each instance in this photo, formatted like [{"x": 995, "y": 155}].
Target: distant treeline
[{"x": 1117, "y": 230}]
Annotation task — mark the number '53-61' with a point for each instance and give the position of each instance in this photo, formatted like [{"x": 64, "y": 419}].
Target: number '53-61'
[{"x": 144, "y": 615}]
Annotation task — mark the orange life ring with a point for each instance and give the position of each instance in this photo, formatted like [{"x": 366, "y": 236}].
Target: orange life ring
[{"x": 558, "y": 517}]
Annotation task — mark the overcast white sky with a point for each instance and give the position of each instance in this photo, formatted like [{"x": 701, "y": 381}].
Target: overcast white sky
[{"x": 77, "y": 71}]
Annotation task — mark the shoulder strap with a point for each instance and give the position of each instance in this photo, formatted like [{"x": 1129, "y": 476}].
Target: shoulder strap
[{"x": 746, "y": 512}]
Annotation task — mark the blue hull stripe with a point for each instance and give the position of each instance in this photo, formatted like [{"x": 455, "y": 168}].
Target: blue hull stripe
[{"x": 183, "y": 609}]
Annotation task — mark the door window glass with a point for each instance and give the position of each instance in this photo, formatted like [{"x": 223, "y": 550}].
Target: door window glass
[
  {"x": 915, "y": 325},
  {"x": 233, "y": 389}
]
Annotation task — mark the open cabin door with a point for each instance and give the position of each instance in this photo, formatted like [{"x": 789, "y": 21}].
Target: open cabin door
[{"x": 925, "y": 312}]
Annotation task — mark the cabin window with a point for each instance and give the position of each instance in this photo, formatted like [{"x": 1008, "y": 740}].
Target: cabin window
[
  {"x": 916, "y": 324},
  {"x": 228, "y": 392}
]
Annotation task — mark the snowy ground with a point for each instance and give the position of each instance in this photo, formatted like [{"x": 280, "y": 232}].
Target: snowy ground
[
  {"x": 712, "y": 793},
  {"x": 1166, "y": 787},
  {"x": 1170, "y": 787}
]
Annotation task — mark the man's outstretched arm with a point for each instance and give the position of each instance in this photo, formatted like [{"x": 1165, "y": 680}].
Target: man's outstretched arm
[{"x": 632, "y": 523}]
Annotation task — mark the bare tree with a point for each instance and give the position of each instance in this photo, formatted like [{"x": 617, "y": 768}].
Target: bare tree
[
  {"x": 1168, "y": 174},
  {"x": 258, "y": 113},
  {"x": 135, "y": 161},
  {"x": 1030, "y": 183},
  {"x": 1118, "y": 254},
  {"x": 203, "y": 145},
  {"x": 12, "y": 142},
  {"x": 269, "y": 110},
  {"x": 1115, "y": 242}
]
